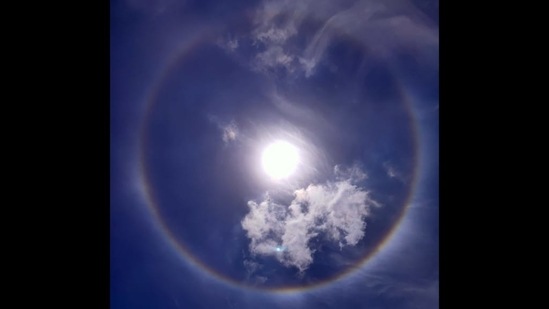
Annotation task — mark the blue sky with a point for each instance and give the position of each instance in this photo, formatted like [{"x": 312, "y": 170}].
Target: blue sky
[{"x": 199, "y": 89}]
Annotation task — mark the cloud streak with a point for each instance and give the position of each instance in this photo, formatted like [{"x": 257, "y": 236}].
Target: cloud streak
[
  {"x": 383, "y": 28},
  {"x": 336, "y": 210}
]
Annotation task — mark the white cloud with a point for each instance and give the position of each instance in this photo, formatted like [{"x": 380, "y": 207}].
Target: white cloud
[
  {"x": 335, "y": 209},
  {"x": 354, "y": 173},
  {"x": 230, "y": 132},
  {"x": 272, "y": 58},
  {"x": 232, "y": 44},
  {"x": 267, "y": 30},
  {"x": 251, "y": 266},
  {"x": 229, "y": 45},
  {"x": 381, "y": 27},
  {"x": 274, "y": 35},
  {"x": 392, "y": 172},
  {"x": 251, "y": 269}
]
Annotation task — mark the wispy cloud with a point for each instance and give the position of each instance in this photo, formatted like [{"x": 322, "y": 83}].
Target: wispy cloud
[
  {"x": 273, "y": 58},
  {"x": 383, "y": 28},
  {"x": 353, "y": 173},
  {"x": 229, "y": 130},
  {"x": 229, "y": 44},
  {"x": 251, "y": 270},
  {"x": 274, "y": 35},
  {"x": 392, "y": 172},
  {"x": 335, "y": 209},
  {"x": 419, "y": 293}
]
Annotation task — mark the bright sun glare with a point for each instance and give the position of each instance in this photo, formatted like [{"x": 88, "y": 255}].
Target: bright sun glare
[{"x": 280, "y": 159}]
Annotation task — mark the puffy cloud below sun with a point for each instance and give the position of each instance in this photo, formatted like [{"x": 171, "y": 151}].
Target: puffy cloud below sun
[{"x": 336, "y": 210}]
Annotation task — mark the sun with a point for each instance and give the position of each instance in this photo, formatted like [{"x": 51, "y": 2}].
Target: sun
[{"x": 280, "y": 159}]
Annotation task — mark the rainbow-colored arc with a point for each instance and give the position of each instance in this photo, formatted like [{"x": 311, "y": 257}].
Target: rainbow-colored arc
[{"x": 185, "y": 49}]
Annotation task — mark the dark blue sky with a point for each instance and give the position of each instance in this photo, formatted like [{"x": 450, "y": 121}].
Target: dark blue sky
[{"x": 200, "y": 88}]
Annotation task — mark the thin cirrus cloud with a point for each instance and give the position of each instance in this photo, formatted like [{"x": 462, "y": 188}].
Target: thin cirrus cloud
[
  {"x": 336, "y": 209},
  {"x": 274, "y": 57},
  {"x": 229, "y": 130},
  {"x": 392, "y": 172},
  {"x": 381, "y": 28},
  {"x": 251, "y": 267}
]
